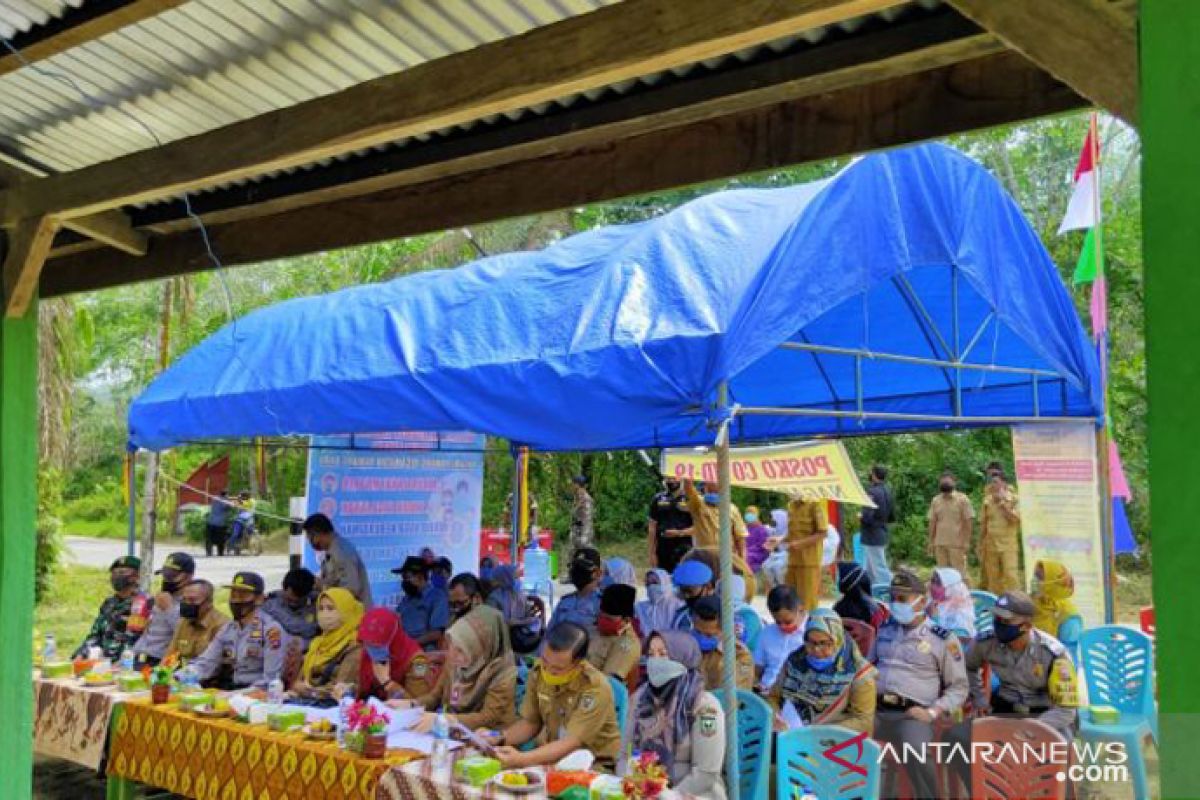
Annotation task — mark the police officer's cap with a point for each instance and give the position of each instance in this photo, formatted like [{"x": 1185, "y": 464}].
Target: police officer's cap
[
  {"x": 908, "y": 581},
  {"x": 248, "y": 580},
  {"x": 588, "y": 557},
  {"x": 692, "y": 573},
  {"x": 1014, "y": 607},
  {"x": 180, "y": 562},
  {"x": 132, "y": 562},
  {"x": 413, "y": 564}
]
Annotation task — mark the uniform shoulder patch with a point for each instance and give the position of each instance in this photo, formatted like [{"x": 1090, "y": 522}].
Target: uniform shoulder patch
[
  {"x": 420, "y": 667},
  {"x": 939, "y": 631},
  {"x": 274, "y": 637},
  {"x": 954, "y": 648},
  {"x": 707, "y": 718},
  {"x": 587, "y": 701}
]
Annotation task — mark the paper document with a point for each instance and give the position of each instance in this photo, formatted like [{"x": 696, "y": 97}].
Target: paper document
[{"x": 790, "y": 716}]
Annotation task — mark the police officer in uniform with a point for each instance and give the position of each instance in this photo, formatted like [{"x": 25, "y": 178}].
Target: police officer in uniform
[
  {"x": 199, "y": 622},
  {"x": 922, "y": 679},
  {"x": 177, "y": 571},
  {"x": 250, "y": 651},
  {"x": 615, "y": 649},
  {"x": 293, "y": 606},
  {"x": 1037, "y": 676},
  {"x": 706, "y": 621},
  {"x": 583, "y": 605},
  {"x": 568, "y": 705},
  {"x": 669, "y": 517}
]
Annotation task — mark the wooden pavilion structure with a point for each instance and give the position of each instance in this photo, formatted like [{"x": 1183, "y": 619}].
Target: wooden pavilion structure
[{"x": 299, "y": 126}]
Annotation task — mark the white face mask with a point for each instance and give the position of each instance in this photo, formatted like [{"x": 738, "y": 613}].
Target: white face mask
[{"x": 661, "y": 671}]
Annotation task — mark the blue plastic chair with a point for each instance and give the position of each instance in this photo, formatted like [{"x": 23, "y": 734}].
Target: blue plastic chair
[
  {"x": 1118, "y": 663},
  {"x": 752, "y": 626},
  {"x": 754, "y": 744},
  {"x": 984, "y": 621},
  {"x": 801, "y": 764},
  {"x": 621, "y": 703},
  {"x": 881, "y": 591}
]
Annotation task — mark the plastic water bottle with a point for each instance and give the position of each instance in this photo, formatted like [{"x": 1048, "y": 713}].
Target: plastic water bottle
[
  {"x": 275, "y": 692},
  {"x": 49, "y": 650},
  {"x": 440, "y": 756},
  {"x": 537, "y": 566},
  {"x": 344, "y": 718},
  {"x": 189, "y": 681},
  {"x": 127, "y": 660}
]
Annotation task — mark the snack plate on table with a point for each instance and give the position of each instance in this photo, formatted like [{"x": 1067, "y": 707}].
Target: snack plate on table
[{"x": 519, "y": 781}]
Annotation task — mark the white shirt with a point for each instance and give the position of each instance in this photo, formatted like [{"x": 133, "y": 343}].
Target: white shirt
[{"x": 773, "y": 648}]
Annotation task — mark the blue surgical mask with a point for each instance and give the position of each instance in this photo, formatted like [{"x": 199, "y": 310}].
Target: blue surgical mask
[
  {"x": 379, "y": 655},
  {"x": 707, "y": 643},
  {"x": 819, "y": 663},
  {"x": 750, "y": 517},
  {"x": 654, "y": 591},
  {"x": 712, "y": 498},
  {"x": 1006, "y": 632},
  {"x": 903, "y": 613},
  {"x": 661, "y": 671}
]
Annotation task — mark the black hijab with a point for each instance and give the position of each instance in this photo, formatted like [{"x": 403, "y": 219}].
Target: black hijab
[{"x": 855, "y": 585}]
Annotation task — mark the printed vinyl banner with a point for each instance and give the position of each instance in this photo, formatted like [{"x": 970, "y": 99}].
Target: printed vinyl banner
[
  {"x": 392, "y": 494},
  {"x": 814, "y": 471},
  {"x": 1058, "y": 483}
]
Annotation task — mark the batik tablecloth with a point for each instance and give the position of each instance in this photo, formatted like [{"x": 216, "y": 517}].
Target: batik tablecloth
[
  {"x": 70, "y": 721},
  {"x": 221, "y": 759}
]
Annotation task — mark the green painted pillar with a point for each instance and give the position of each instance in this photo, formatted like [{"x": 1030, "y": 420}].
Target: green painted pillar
[
  {"x": 1170, "y": 122},
  {"x": 18, "y": 545}
]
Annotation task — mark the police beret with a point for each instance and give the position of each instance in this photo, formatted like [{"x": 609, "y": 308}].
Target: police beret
[
  {"x": 692, "y": 573},
  {"x": 132, "y": 562}
]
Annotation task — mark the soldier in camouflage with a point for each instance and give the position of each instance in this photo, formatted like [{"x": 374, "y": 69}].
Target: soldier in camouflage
[{"x": 123, "y": 616}]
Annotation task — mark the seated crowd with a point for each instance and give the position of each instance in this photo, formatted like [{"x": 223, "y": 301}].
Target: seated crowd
[{"x": 456, "y": 643}]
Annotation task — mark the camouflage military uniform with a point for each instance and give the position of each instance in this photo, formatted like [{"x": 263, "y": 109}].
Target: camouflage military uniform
[{"x": 117, "y": 626}]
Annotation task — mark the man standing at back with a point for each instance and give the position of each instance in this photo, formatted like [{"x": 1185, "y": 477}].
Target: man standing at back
[
  {"x": 999, "y": 535},
  {"x": 875, "y": 526},
  {"x": 951, "y": 519},
  {"x": 342, "y": 565},
  {"x": 669, "y": 516}
]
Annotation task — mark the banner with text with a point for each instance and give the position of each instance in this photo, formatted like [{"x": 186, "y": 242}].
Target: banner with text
[
  {"x": 392, "y": 494},
  {"x": 813, "y": 471},
  {"x": 1059, "y": 490}
]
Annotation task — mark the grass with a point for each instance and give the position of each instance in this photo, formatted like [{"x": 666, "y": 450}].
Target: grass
[
  {"x": 96, "y": 529},
  {"x": 70, "y": 606}
]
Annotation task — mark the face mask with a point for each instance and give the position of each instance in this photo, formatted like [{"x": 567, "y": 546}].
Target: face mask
[
  {"x": 459, "y": 609},
  {"x": 937, "y": 592},
  {"x": 410, "y": 588},
  {"x": 581, "y": 575},
  {"x": 329, "y": 620},
  {"x": 189, "y": 611},
  {"x": 439, "y": 581},
  {"x": 610, "y": 626},
  {"x": 379, "y": 654},
  {"x": 1035, "y": 588},
  {"x": 170, "y": 587},
  {"x": 750, "y": 518},
  {"x": 661, "y": 671},
  {"x": 1007, "y": 632},
  {"x": 819, "y": 663},
  {"x": 654, "y": 591},
  {"x": 789, "y": 629},
  {"x": 120, "y": 583},
  {"x": 485, "y": 574},
  {"x": 672, "y": 487},
  {"x": 947, "y": 488},
  {"x": 707, "y": 643},
  {"x": 712, "y": 498},
  {"x": 904, "y": 613},
  {"x": 558, "y": 680},
  {"x": 240, "y": 610}
]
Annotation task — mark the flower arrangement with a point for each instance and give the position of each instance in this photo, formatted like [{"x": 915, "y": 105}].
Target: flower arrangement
[
  {"x": 646, "y": 779},
  {"x": 367, "y": 719},
  {"x": 161, "y": 676}
]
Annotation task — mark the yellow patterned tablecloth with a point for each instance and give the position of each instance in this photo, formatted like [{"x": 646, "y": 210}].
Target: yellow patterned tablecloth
[{"x": 209, "y": 759}]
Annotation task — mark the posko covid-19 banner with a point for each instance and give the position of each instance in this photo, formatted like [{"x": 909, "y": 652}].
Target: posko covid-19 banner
[
  {"x": 812, "y": 471},
  {"x": 393, "y": 494}
]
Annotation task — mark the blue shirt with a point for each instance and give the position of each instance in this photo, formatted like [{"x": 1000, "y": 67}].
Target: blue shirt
[
  {"x": 773, "y": 648},
  {"x": 430, "y": 611},
  {"x": 683, "y": 619},
  {"x": 580, "y": 609}
]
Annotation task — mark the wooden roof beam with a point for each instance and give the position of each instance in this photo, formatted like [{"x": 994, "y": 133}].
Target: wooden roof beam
[
  {"x": 77, "y": 26},
  {"x": 1084, "y": 43},
  {"x": 987, "y": 91},
  {"x": 613, "y": 44},
  {"x": 27, "y": 245}
]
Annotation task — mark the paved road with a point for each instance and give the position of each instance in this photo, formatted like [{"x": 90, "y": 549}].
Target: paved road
[{"x": 102, "y": 552}]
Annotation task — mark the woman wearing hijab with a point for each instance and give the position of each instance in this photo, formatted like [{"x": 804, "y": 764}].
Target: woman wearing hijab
[
  {"x": 657, "y": 612},
  {"x": 756, "y": 539},
  {"x": 951, "y": 604},
  {"x": 479, "y": 686},
  {"x": 856, "y": 601},
  {"x": 331, "y": 664},
  {"x": 1056, "y": 613},
  {"x": 618, "y": 570},
  {"x": 674, "y": 717},
  {"x": 746, "y": 621},
  {"x": 392, "y": 664},
  {"x": 506, "y": 597},
  {"x": 827, "y": 681}
]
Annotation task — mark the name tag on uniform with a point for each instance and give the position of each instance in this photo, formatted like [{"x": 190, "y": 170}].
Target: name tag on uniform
[{"x": 925, "y": 647}]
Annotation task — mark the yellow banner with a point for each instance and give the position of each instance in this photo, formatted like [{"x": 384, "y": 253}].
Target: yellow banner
[{"x": 815, "y": 471}]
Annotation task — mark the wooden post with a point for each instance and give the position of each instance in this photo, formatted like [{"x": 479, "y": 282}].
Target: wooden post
[
  {"x": 1170, "y": 117},
  {"x": 18, "y": 545}
]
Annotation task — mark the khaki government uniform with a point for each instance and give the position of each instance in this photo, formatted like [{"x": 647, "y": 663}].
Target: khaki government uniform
[
  {"x": 706, "y": 529},
  {"x": 951, "y": 519},
  {"x": 583, "y": 708},
  {"x": 999, "y": 540},
  {"x": 192, "y": 637},
  {"x": 712, "y": 669},
  {"x": 615, "y": 655},
  {"x": 806, "y": 518}
]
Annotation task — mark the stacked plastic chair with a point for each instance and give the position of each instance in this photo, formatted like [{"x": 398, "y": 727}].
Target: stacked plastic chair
[
  {"x": 984, "y": 621},
  {"x": 1011, "y": 774},
  {"x": 754, "y": 744},
  {"x": 802, "y": 765}
]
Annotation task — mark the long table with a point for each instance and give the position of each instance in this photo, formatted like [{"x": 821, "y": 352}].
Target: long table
[{"x": 71, "y": 721}]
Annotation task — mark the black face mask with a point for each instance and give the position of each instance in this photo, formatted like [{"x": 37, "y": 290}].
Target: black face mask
[
  {"x": 120, "y": 583},
  {"x": 1006, "y": 632},
  {"x": 410, "y": 588},
  {"x": 241, "y": 610},
  {"x": 672, "y": 487},
  {"x": 947, "y": 488},
  {"x": 581, "y": 575},
  {"x": 692, "y": 600},
  {"x": 171, "y": 587},
  {"x": 189, "y": 610}
]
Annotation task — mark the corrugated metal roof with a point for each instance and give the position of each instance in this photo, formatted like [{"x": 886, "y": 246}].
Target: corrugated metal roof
[{"x": 209, "y": 63}]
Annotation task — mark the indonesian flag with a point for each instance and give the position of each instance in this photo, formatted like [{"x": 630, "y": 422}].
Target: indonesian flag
[{"x": 1081, "y": 211}]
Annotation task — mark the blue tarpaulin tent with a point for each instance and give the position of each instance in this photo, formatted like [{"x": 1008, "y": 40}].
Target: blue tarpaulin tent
[{"x": 905, "y": 293}]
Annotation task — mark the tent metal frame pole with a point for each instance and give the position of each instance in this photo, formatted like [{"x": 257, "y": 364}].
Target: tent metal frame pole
[
  {"x": 515, "y": 521},
  {"x": 958, "y": 406},
  {"x": 771, "y": 411},
  {"x": 728, "y": 634},
  {"x": 916, "y": 360},
  {"x": 131, "y": 545}
]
